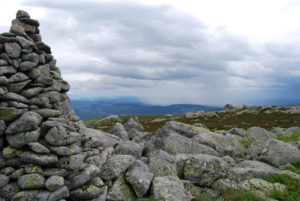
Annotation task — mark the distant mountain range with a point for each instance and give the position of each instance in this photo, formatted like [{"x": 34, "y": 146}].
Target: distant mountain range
[{"x": 96, "y": 107}]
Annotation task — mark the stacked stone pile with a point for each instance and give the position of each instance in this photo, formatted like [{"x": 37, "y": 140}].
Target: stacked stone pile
[{"x": 41, "y": 150}]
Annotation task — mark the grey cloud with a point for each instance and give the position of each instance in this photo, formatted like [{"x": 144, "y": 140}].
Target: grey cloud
[{"x": 152, "y": 49}]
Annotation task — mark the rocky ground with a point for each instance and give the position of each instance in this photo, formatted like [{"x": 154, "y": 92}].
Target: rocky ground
[{"x": 207, "y": 163}]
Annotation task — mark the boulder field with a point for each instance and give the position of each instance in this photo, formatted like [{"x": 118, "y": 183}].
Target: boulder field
[{"x": 47, "y": 153}]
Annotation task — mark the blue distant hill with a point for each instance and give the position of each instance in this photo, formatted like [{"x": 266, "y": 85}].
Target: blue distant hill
[{"x": 101, "y": 106}]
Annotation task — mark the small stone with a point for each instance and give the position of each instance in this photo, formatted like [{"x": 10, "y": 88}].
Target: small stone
[
  {"x": 22, "y": 14},
  {"x": 17, "y": 104},
  {"x": 27, "y": 65},
  {"x": 3, "y": 81},
  {"x": 81, "y": 178},
  {"x": 38, "y": 159},
  {"x": 7, "y": 70},
  {"x": 9, "y": 152},
  {"x": 26, "y": 44},
  {"x": 30, "y": 22},
  {"x": 86, "y": 192},
  {"x": 60, "y": 136},
  {"x": 3, "y": 180},
  {"x": 29, "y": 93},
  {"x": 19, "y": 140},
  {"x": 10, "y": 96},
  {"x": 18, "y": 77},
  {"x": 33, "y": 169},
  {"x": 3, "y": 90},
  {"x": 120, "y": 190},
  {"x": 61, "y": 193},
  {"x": 27, "y": 122},
  {"x": 45, "y": 113},
  {"x": 43, "y": 47},
  {"x": 13, "y": 50},
  {"x": 3, "y": 62},
  {"x": 16, "y": 174},
  {"x": 74, "y": 162},
  {"x": 18, "y": 87},
  {"x": 9, "y": 113},
  {"x": 31, "y": 181},
  {"x": 38, "y": 148},
  {"x": 53, "y": 183},
  {"x": 9, "y": 190}
]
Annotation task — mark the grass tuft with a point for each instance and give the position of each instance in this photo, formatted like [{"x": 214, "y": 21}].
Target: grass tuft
[
  {"x": 293, "y": 138},
  {"x": 235, "y": 195},
  {"x": 246, "y": 143},
  {"x": 292, "y": 192}
]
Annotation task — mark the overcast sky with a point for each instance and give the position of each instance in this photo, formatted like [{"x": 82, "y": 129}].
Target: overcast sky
[{"x": 172, "y": 51}]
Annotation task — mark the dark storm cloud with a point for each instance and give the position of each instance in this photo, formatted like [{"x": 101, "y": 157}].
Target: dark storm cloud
[{"x": 123, "y": 44}]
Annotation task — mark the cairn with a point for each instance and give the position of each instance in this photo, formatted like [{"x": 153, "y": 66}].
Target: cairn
[{"x": 42, "y": 156}]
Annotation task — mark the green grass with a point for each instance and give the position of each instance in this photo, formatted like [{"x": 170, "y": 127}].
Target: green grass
[
  {"x": 292, "y": 192},
  {"x": 293, "y": 138},
  {"x": 224, "y": 120},
  {"x": 235, "y": 195},
  {"x": 297, "y": 167},
  {"x": 245, "y": 143}
]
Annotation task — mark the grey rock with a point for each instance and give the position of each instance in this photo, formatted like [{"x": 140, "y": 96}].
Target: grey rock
[
  {"x": 132, "y": 123},
  {"x": 9, "y": 190},
  {"x": 180, "y": 162},
  {"x": 129, "y": 148},
  {"x": 38, "y": 159},
  {"x": 223, "y": 185},
  {"x": 74, "y": 162},
  {"x": 139, "y": 177},
  {"x": 3, "y": 180},
  {"x": 103, "y": 194},
  {"x": 18, "y": 87},
  {"x": 18, "y": 77},
  {"x": 170, "y": 188},
  {"x": 229, "y": 160},
  {"x": 33, "y": 57},
  {"x": 25, "y": 195},
  {"x": 19, "y": 140},
  {"x": 61, "y": 193},
  {"x": 31, "y": 181},
  {"x": 174, "y": 143},
  {"x": 27, "y": 65},
  {"x": 107, "y": 139},
  {"x": 115, "y": 165},
  {"x": 31, "y": 22},
  {"x": 66, "y": 150},
  {"x": 22, "y": 14},
  {"x": 56, "y": 171},
  {"x": 53, "y": 183},
  {"x": 86, "y": 192},
  {"x": 120, "y": 191},
  {"x": 3, "y": 90},
  {"x": 119, "y": 130},
  {"x": 42, "y": 102},
  {"x": 205, "y": 169},
  {"x": 10, "y": 113},
  {"x": 279, "y": 153},
  {"x": 261, "y": 187},
  {"x": 7, "y": 70},
  {"x": 53, "y": 96},
  {"x": 45, "y": 113},
  {"x": 26, "y": 122},
  {"x": 43, "y": 47},
  {"x": 17, "y": 104},
  {"x": 38, "y": 148},
  {"x": 10, "y": 96},
  {"x": 79, "y": 179},
  {"x": 162, "y": 164},
  {"x": 185, "y": 129},
  {"x": 60, "y": 136},
  {"x": 259, "y": 135},
  {"x": 33, "y": 169},
  {"x": 238, "y": 131},
  {"x": 9, "y": 152},
  {"x": 25, "y": 44},
  {"x": 41, "y": 74},
  {"x": 4, "y": 81},
  {"x": 251, "y": 169},
  {"x": 224, "y": 144},
  {"x": 108, "y": 119},
  {"x": 13, "y": 50},
  {"x": 3, "y": 63}
]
